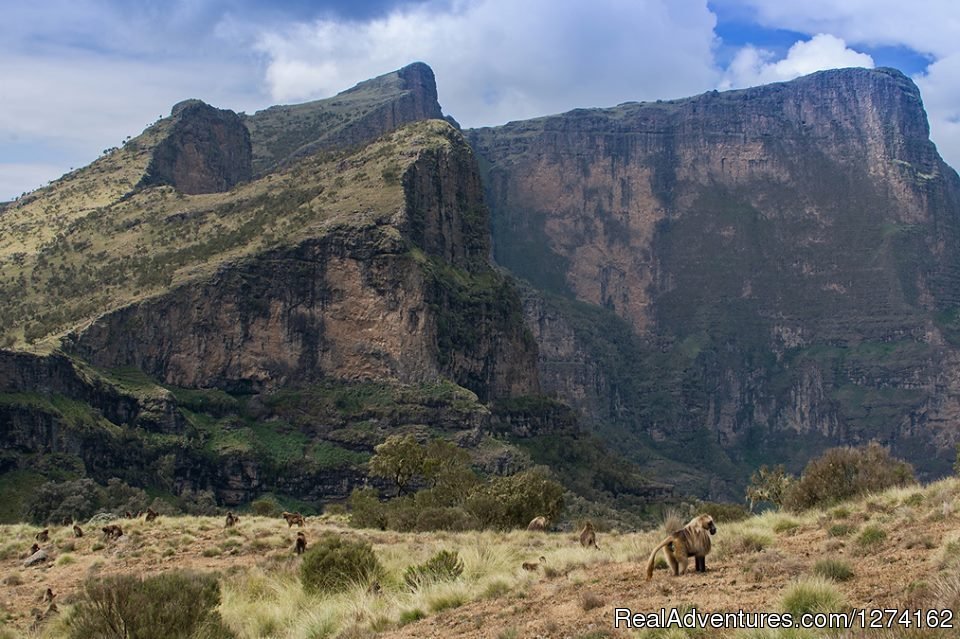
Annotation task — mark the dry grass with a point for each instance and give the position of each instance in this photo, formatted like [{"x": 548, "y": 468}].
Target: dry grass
[{"x": 262, "y": 595}]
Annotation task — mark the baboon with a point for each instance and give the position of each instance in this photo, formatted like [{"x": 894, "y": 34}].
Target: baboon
[
  {"x": 151, "y": 514},
  {"x": 693, "y": 540},
  {"x": 48, "y": 596},
  {"x": 112, "y": 532},
  {"x": 43, "y": 535},
  {"x": 231, "y": 520},
  {"x": 77, "y": 531},
  {"x": 531, "y": 566},
  {"x": 33, "y": 549},
  {"x": 538, "y": 523},
  {"x": 293, "y": 518},
  {"x": 128, "y": 515},
  {"x": 587, "y": 536},
  {"x": 301, "y": 546}
]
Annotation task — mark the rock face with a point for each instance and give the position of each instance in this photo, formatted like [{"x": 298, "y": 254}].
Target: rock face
[
  {"x": 207, "y": 150},
  {"x": 353, "y": 304},
  {"x": 350, "y": 119},
  {"x": 785, "y": 257}
]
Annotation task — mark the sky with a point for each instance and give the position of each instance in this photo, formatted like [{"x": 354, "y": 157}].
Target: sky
[{"x": 79, "y": 76}]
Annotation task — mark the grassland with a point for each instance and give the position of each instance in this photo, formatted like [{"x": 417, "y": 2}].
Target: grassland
[{"x": 770, "y": 562}]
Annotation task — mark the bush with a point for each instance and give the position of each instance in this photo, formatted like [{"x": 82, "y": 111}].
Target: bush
[
  {"x": 769, "y": 485},
  {"x": 840, "y": 530},
  {"x": 366, "y": 510},
  {"x": 443, "y": 566},
  {"x": 455, "y": 519},
  {"x": 723, "y": 513},
  {"x": 833, "y": 569},
  {"x": 266, "y": 507},
  {"x": 59, "y": 502},
  {"x": 814, "y": 595},
  {"x": 334, "y": 564},
  {"x": 172, "y": 604},
  {"x": 512, "y": 501},
  {"x": 845, "y": 472}
]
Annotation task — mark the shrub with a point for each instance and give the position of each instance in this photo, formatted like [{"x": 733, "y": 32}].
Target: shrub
[
  {"x": 455, "y": 519},
  {"x": 724, "y": 513},
  {"x": 57, "y": 502},
  {"x": 443, "y": 566},
  {"x": 266, "y": 507},
  {"x": 512, "y": 501},
  {"x": 333, "y": 564},
  {"x": 172, "y": 604},
  {"x": 841, "y": 473},
  {"x": 409, "y": 616},
  {"x": 814, "y": 594},
  {"x": 770, "y": 485},
  {"x": 833, "y": 569},
  {"x": 871, "y": 536},
  {"x": 366, "y": 510}
]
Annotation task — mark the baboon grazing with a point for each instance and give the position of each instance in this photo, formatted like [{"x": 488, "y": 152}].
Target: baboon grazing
[
  {"x": 151, "y": 514},
  {"x": 43, "y": 535},
  {"x": 112, "y": 532},
  {"x": 293, "y": 518},
  {"x": 538, "y": 523},
  {"x": 77, "y": 531},
  {"x": 531, "y": 566},
  {"x": 587, "y": 536},
  {"x": 231, "y": 520},
  {"x": 301, "y": 546},
  {"x": 693, "y": 540}
]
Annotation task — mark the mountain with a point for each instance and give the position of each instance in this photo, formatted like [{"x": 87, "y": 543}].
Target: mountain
[
  {"x": 249, "y": 304},
  {"x": 679, "y": 291},
  {"x": 740, "y": 277}
]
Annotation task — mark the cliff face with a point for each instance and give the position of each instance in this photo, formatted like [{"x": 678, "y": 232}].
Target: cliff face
[
  {"x": 355, "y": 303},
  {"x": 206, "y": 150},
  {"x": 791, "y": 248}
]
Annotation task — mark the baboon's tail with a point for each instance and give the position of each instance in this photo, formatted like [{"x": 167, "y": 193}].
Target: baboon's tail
[{"x": 653, "y": 557}]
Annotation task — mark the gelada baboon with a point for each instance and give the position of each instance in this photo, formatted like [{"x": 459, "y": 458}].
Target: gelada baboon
[
  {"x": 301, "y": 545},
  {"x": 151, "y": 514},
  {"x": 112, "y": 532},
  {"x": 231, "y": 520},
  {"x": 77, "y": 531},
  {"x": 538, "y": 523},
  {"x": 531, "y": 566},
  {"x": 588, "y": 537},
  {"x": 293, "y": 518},
  {"x": 48, "y": 596},
  {"x": 693, "y": 540},
  {"x": 43, "y": 535},
  {"x": 34, "y": 549}
]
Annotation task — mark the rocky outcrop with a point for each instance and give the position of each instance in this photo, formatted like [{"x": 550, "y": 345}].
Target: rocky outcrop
[
  {"x": 206, "y": 150},
  {"x": 348, "y": 120},
  {"x": 784, "y": 256}
]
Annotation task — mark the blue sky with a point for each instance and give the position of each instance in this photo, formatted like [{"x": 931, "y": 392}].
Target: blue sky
[{"x": 78, "y": 76}]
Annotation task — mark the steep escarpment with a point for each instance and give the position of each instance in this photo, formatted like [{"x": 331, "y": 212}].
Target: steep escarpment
[{"x": 784, "y": 258}]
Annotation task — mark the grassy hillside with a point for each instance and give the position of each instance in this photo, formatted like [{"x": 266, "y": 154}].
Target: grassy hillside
[
  {"x": 894, "y": 549},
  {"x": 91, "y": 242}
]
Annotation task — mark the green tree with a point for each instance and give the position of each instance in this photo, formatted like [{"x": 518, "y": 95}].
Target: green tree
[
  {"x": 512, "y": 501},
  {"x": 447, "y": 467},
  {"x": 399, "y": 459}
]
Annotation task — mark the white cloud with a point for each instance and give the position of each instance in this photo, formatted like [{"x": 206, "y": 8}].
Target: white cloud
[
  {"x": 497, "y": 60},
  {"x": 752, "y": 66},
  {"x": 940, "y": 88},
  {"x": 927, "y": 27},
  {"x": 16, "y": 178}
]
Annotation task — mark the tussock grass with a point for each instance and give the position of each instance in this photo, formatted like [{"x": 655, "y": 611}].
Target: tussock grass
[
  {"x": 811, "y": 594},
  {"x": 834, "y": 569}
]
